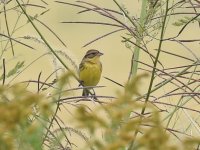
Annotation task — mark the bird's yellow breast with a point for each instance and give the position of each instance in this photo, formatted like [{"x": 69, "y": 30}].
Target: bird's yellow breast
[{"x": 90, "y": 73}]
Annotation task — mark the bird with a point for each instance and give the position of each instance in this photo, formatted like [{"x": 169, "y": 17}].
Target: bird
[{"x": 90, "y": 70}]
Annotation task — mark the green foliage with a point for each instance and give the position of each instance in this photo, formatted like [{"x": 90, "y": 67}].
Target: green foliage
[
  {"x": 19, "y": 123},
  {"x": 118, "y": 129},
  {"x": 155, "y": 138},
  {"x": 191, "y": 143},
  {"x": 33, "y": 18},
  {"x": 185, "y": 20},
  {"x": 26, "y": 118},
  {"x": 14, "y": 70}
]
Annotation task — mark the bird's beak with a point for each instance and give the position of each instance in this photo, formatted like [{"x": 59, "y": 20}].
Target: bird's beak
[{"x": 100, "y": 54}]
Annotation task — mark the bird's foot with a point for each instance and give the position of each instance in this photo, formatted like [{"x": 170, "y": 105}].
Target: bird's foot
[{"x": 93, "y": 96}]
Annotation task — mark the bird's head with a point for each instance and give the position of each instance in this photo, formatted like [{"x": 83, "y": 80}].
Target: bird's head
[{"x": 93, "y": 55}]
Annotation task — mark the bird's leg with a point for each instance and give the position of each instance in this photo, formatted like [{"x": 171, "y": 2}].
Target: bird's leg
[
  {"x": 94, "y": 95},
  {"x": 80, "y": 83}
]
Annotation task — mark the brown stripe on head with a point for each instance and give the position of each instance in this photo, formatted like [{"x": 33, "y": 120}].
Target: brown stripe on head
[{"x": 92, "y": 53}]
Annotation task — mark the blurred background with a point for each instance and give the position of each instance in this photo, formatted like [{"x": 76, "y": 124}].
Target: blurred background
[{"x": 116, "y": 59}]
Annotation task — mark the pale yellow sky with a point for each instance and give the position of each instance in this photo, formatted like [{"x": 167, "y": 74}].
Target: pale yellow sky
[{"x": 116, "y": 59}]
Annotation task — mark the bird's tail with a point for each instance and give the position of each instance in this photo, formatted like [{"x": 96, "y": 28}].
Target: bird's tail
[{"x": 85, "y": 92}]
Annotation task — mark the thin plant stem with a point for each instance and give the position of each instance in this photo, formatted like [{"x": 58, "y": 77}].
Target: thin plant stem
[
  {"x": 4, "y": 71},
  {"x": 180, "y": 102},
  {"x": 141, "y": 29},
  {"x": 45, "y": 41},
  {"x": 156, "y": 59},
  {"x": 168, "y": 80},
  {"x": 6, "y": 20},
  {"x": 153, "y": 72}
]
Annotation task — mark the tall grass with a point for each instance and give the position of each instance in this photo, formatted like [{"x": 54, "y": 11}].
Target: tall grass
[{"x": 131, "y": 120}]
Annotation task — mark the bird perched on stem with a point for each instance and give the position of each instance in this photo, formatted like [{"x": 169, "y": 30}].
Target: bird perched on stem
[{"x": 90, "y": 70}]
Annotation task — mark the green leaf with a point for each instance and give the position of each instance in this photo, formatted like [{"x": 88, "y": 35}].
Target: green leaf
[{"x": 15, "y": 70}]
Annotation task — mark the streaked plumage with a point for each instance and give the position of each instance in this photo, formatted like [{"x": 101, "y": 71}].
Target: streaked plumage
[{"x": 90, "y": 69}]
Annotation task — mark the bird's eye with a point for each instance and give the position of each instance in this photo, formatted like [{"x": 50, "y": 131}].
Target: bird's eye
[{"x": 91, "y": 55}]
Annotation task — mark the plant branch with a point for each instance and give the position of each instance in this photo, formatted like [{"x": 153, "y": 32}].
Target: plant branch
[
  {"x": 6, "y": 20},
  {"x": 153, "y": 71},
  {"x": 45, "y": 41}
]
